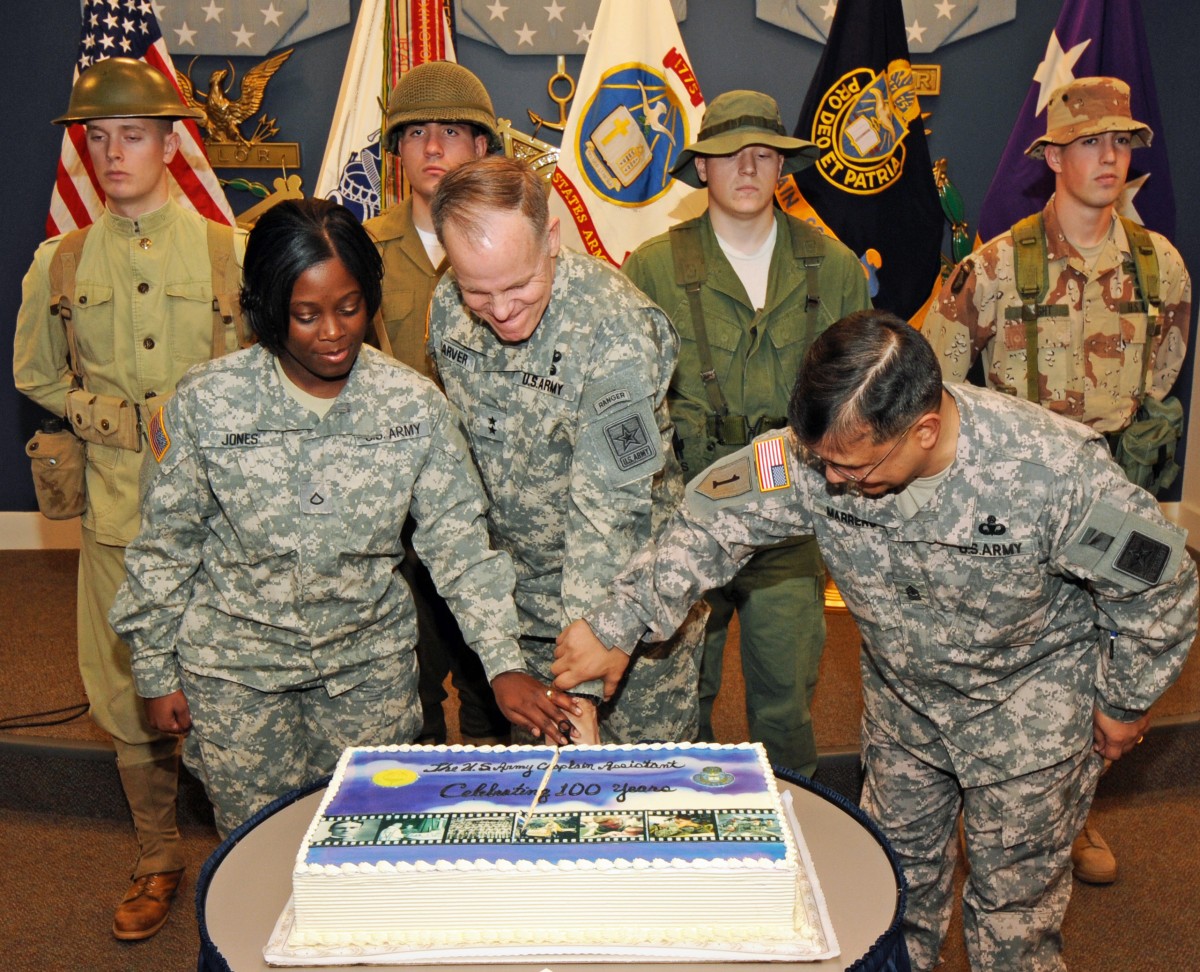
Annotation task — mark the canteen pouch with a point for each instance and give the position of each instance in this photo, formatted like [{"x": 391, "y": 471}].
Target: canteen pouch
[
  {"x": 58, "y": 459},
  {"x": 104, "y": 419}
]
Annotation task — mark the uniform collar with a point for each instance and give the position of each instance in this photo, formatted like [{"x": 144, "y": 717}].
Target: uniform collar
[{"x": 145, "y": 225}]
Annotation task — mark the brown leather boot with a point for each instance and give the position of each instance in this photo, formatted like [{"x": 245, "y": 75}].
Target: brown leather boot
[
  {"x": 1092, "y": 859},
  {"x": 146, "y": 905}
]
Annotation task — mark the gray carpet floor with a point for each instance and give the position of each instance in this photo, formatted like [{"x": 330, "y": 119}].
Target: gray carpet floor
[{"x": 69, "y": 845}]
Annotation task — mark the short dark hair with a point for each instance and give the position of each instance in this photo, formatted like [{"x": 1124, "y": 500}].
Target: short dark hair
[
  {"x": 868, "y": 372},
  {"x": 290, "y": 238},
  {"x": 493, "y": 183}
]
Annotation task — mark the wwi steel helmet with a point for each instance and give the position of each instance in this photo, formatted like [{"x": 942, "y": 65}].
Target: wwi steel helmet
[
  {"x": 122, "y": 87},
  {"x": 443, "y": 92}
]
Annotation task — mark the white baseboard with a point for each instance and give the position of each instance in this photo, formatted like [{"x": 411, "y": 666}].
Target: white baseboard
[{"x": 32, "y": 531}]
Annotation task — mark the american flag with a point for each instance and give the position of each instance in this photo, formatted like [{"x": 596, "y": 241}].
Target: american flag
[
  {"x": 772, "y": 467},
  {"x": 128, "y": 28}
]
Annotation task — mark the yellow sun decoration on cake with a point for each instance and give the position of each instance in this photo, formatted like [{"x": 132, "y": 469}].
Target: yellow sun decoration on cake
[{"x": 394, "y": 777}]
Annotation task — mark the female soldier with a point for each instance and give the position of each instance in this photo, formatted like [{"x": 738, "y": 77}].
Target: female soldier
[{"x": 262, "y": 606}]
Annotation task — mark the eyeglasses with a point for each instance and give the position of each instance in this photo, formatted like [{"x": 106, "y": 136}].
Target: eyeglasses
[{"x": 858, "y": 480}]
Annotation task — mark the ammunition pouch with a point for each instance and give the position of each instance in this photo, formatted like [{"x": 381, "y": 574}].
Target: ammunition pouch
[
  {"x": 104, "y": 419},
  {"x": 58, "y": 459},
  {"x": 1146, "y": 448}
]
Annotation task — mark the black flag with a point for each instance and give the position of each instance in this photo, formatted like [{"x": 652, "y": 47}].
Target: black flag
[{"x": 872, "y": 186}]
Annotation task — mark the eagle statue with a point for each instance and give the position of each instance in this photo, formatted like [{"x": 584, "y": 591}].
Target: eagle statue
[{"x": 222, "y": 116}]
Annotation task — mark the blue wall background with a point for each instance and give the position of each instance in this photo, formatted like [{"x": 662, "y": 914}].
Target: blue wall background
[{"x": 984, "y": 81}]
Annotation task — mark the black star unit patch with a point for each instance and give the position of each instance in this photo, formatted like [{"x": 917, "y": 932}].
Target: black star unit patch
[
  {"x": 1143, "y": 557},
  {"x": 629, "y": 442}
]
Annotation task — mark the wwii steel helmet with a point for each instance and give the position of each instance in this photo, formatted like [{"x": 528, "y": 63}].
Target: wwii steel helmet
[
  {"x": 444, "y": 92},
  {"x": 736, "y": 119},
  {"x": 1089, "y": 106},
  {"x": 122, "y": 87}
]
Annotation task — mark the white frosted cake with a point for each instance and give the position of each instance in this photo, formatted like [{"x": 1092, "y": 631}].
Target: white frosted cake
[{"x": 435, "y": 847}]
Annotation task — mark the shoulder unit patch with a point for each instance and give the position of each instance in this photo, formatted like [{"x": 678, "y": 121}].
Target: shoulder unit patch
[
  {"x": 156, "y": 433},
  {"x": 771, "y": 464}
]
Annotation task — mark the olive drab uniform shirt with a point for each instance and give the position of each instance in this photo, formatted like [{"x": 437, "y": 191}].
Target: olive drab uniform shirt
[
  {"x": 143, "y": 314},
  {"x": 1036, "y": 584},
  {"x": 408, "y": 282},
  {"x": 1090, "y": 348},
  {"x": 270, "y": 538},
  {"x": 756, "y": 353}
]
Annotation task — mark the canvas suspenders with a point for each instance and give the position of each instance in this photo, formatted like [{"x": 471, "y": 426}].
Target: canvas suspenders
[
  {"x": 1032, "y": 273},
  {"x": 687, "y": 253}
]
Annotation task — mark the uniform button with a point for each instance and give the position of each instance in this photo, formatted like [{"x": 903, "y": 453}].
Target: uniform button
[
  {"x": 143, "y": 287},
  {"x": 104, "y": 425},
  {"x": 150, "y": 395},
  {"x": 554, "y": 369},
  {"x": 148, "y": 344},
  {"x": 83, "y": 298},
  {"x": 557, "y": 356}
]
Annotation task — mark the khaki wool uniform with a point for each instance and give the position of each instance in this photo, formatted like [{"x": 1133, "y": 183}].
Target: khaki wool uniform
[
  {"x": 571, "y": 435},
  {"x": 263, "y": 581},
  {"x": 1090, "y": 360},
  {"x": 1035, "y": 585},
  {"x": 143, "y": 314},
  {"x": 408, "y": 282},
  {"x": 779, "y": 594}
]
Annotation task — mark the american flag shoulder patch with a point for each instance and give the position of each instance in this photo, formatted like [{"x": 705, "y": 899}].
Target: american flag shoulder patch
[
  {"x": 156, "y": 432},
  {"x": 771, "y": 464}
]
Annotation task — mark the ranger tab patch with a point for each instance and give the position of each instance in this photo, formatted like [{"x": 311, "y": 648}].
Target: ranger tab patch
[
  {"x": 771, "y": 464},
  {"x": 156, "y": 432}
]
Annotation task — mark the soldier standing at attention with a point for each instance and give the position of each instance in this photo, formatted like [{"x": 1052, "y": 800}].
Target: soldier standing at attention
[
  {"x": 439, "y": 115},
  {"x": 749, "y": 288},
  {"x": 560, "y": 368},
  {"x": 146, "y": 292},
  {"x": 1078, "y": 309},
  {"x": 1021, "y": 604}
]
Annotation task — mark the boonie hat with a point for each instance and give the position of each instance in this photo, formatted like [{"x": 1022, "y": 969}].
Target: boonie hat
[
  {"x": 736, "y": 119},
  {"x": 1089, "y": 106},
  {"x": 124, "y": 87},
  {"x": 442, "y": 92}
]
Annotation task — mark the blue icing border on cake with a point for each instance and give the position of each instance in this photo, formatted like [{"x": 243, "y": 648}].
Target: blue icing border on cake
[{"x": 463, "y": 806}]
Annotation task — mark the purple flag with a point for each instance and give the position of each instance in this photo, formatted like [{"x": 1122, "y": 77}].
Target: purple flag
[{"x": 1092, "y": 38}]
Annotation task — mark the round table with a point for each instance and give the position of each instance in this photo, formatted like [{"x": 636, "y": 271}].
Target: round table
[{"x": 246, "y": 882}]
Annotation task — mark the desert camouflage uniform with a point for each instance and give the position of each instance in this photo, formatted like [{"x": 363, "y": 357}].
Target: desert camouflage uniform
[
  {"x": 986, "y": 623},
  {"x": 572, "y": 438},
  {"x": 408, "y": 282},
  {"x": 266, "y": 565},
  {"x": 780, "y": 593},
  {"x": 1090, "y": 361}
]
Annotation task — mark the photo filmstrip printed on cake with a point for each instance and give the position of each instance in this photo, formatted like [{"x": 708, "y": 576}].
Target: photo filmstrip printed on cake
[
  {"x": 357, "y": 829},
  {"x": 480, "y": 828},
  {"x": 757, "y": 825},
  {"x": 612, "y": 827},
  {"x": 413, "y": 828},
  {"x": 681, "y": 825},
  {"x": 542, "y": 828}
]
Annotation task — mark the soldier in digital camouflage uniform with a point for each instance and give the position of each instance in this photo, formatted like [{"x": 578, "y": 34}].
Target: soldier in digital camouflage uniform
[
  {"x": 439, "y": 116},
  {"x": 262, "y": 604},
  {"x": 560, "y": 367},
  {"x": 1022, "y": 605},
  {"x": 769, "y": 284},
  {"x": 1094, "y": 325},
  {"x": 143, "y": 302}
]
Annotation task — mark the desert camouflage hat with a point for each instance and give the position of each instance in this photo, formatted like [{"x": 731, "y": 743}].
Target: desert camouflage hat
[
  {"x": 1089, "y": 106},
  {"x": 736, "y": 119}
]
